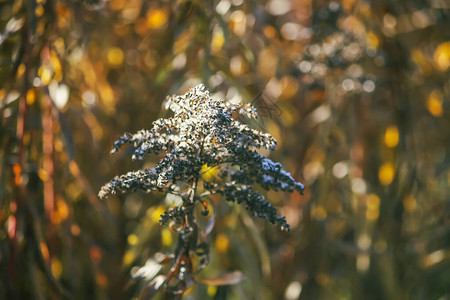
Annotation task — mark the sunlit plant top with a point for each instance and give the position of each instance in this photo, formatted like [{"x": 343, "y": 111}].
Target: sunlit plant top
[{"x": 202, "y": 135}]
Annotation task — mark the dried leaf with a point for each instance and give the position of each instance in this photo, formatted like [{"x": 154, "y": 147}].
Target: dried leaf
[
  {"x": 152, "y": 288},
  {"x": 148, "y": 271},
  {"x": 225, "y": 279}
]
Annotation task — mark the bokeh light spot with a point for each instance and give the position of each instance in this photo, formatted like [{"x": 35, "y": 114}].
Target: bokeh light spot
[
  {"x": 289, "y": 87},
  {"x": 362, "y": 262},
  {"x": 238, "y": 22},
  {"x": 46, "y": 74},
  {"x": 157, "y": 17},
  {"x": 372, "y": 40},
  {"x": 434, "y": 104},
  {"x": 101, "y": 280},
  {"x": 293, "y": 291},
  {"x": 133, "y": 240},
  {"x": 44, "y": 251},
  {"x": 386, "y": 173},
  {"x": 31, "y": 96},
  {"x": 166, "y": 237},
  {"x": 373, "y": 201},
  {"x": 129, "y": 257},
  {"x": 269, "y": 32},
  {"x": 409, "y": 203},
  {"x": 223, "y": 7},
  {"x": 322, "y": 279},
  {"x": 340, "y": 170},
  {"x": 319, "y": 213},
  {"x": 211, "y": 291},
  {"x": 217, "y": 41},
  {"x": 56, "y": 267},
  {"x": 391, "y": 136},
  {"x": 222, "y": 243},
  {"x": 278, "y": 7},
  {"x": 75, "y": 229},
  {"x": 115, "y": 56},
  {"x": 359, "y": 185},
  {"x": 156, "y": 214},
  {"x": 441, "y": 56}
]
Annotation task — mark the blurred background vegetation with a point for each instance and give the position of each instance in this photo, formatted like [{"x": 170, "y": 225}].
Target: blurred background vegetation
[{"x": 357, "y": 93}]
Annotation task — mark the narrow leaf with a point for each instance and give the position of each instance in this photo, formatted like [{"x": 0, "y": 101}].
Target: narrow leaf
[{"x": 225, "y": 279}]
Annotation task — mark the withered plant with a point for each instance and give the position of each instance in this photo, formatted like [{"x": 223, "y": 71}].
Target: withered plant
[{"x": 202, "y": 135}]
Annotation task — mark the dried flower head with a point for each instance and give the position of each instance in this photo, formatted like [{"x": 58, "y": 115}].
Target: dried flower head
[{"x": 202, "y": 134}]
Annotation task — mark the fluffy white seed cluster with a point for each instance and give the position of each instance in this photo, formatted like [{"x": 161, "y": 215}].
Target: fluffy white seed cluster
[{"x": 202, "y": 132}]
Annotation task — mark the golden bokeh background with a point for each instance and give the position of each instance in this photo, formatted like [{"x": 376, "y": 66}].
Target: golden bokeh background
[{"x": 356, "y": 92}]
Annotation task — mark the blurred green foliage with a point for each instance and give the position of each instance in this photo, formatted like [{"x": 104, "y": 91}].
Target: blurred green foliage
[{"x": 357, "y": 94}]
